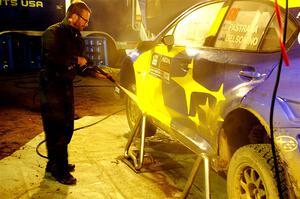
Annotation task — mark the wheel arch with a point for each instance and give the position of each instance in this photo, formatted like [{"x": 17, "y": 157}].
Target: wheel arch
[
  {"x": 127, "y": 74},
  {"x": 240, "y": 127}
]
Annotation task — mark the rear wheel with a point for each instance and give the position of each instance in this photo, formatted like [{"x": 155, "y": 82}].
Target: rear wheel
[
  {"x": 251, "y": 174},
  {"x": 133, "y": 113}
]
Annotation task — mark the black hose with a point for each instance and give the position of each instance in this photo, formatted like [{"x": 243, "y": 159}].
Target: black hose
[
  {"x": 97, "y": 70},
  {"x": 37, "y": 149},
  {"x": 101, "y": 120},
  {"x": 272, "y": 107}
]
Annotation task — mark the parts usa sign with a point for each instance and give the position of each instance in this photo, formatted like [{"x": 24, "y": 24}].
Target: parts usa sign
[{"x": 22, "y": 3}]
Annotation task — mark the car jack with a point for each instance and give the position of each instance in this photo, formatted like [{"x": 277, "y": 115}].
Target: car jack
[{"x": 135, "y": 160}]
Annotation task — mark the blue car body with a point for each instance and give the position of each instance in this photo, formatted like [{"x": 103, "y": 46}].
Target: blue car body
[{"x": 216, "y": 96}]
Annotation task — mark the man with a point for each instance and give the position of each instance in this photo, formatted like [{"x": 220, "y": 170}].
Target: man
[{"x": 62, "y": 47}]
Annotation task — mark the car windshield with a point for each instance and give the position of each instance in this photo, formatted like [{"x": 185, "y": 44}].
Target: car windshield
[{"x": 193, "y": 29}]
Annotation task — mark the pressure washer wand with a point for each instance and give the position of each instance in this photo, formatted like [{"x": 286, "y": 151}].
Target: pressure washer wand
[
  {"x": 98, "y": 70},
  {"x": 108, "y": 76}
]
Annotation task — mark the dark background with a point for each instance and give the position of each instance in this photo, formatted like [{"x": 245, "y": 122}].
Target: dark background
[{"x": 30, "y": 18}]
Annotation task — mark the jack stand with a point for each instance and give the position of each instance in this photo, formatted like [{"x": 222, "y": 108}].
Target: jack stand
[
  {"x": 136, "y": 163},
  {"x": 135, "y": 160},
  {"x": 193, "y": 173}
]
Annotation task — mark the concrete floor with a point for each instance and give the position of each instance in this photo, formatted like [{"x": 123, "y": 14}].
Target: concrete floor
[{"x": 97, "y": 151}]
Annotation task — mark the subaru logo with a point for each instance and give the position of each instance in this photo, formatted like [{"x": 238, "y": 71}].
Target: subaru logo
[{"x": 287, "y": 143}]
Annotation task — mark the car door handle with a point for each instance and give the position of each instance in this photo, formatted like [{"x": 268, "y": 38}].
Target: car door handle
[{"x": 251, "y": 74}]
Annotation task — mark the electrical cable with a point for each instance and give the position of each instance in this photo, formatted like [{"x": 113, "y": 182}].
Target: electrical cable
[
  {"x": 37, "y": 149},
  {"x": 101, "y": 120},
  {"x": 76, "y": 129},
  {"x": 273, "y": 104}
]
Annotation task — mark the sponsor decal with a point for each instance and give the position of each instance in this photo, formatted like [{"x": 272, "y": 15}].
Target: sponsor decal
[
  {"x": 165, "y": 63},
  {"x": 233, "y": 12},
  {"x": 160, "y": 67},
  {"x": 22, "y": 3},
  {"x": 155, "y": 58}
]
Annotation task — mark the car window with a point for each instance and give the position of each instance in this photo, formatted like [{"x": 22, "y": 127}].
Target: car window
[
  {"x": 244, "y": 25},
  {"x": 271, "y": 41},
  {"x": 191, "y": 31}
]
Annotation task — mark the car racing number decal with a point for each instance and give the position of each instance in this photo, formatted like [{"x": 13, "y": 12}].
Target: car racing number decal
[{"x": 160, "y": 67}]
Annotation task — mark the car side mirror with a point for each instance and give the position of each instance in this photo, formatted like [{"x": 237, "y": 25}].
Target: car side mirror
[{"x": 168, "y": 40}]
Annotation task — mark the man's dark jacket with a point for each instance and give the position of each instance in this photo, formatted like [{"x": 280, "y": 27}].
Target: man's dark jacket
[{"x": 61, "y": 44}]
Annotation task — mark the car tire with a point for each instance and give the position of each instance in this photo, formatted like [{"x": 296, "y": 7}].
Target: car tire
[
  {"x": 251, "y": 173},
  {"x": 133, "y": 112}
]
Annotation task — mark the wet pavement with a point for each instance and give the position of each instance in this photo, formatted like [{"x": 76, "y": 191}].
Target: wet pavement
[{"x": 98, "y": 152}]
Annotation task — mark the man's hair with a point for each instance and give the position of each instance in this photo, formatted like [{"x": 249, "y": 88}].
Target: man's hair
[{"x": 76, "y": 7}]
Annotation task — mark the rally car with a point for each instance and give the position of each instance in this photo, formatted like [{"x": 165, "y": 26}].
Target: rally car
[{"x": 208, "y": 79}]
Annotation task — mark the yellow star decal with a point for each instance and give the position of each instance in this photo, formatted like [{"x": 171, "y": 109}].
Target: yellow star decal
[{"x": 190, "y": 86}]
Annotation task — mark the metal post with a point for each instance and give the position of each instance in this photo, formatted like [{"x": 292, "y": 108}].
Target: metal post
[
  {"x": 193, "y": 174},
  {"x": 132, "y": 135},
  {"x": 142, "y": 144},
  {"x": 137, "y": 161},
  {"x": 206, "y": 175}
]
